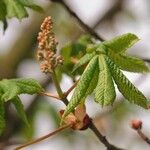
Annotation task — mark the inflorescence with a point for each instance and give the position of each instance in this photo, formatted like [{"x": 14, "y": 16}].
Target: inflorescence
[{"x": 46, "y": 52}]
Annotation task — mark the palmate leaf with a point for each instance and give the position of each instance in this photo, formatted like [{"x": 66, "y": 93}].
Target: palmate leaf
[
  {"x": 121, "y": 43},
  {"x": 14, "y": 87},
  {"x": 85, "y": 59},
  {"x": 128, "y": 90},
  {"x": 82, "y": 86},
  {"x": 2, "y": 117},
  {"x": 128, "y": 63},
  {"x": 105, "y": 91},
  {"x": 20, "y": 109}
]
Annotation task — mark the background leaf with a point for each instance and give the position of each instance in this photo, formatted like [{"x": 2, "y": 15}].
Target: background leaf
[
  {"x": 2, "y": 10},
  {"x": 128, "y": 90},
  {"x": 121, "y": 43},
  {"x": 30, "y": 4},
  {"x": 105, "y": 91},
  {"x": 15, "y": 9},
  {"x": 82, "y": 86},
  {"x": 20, "y": 109},
  {"x": 14, "y": 87},
  {"x": 128, "y": 63},
  {"x": 2, "y": 117}
]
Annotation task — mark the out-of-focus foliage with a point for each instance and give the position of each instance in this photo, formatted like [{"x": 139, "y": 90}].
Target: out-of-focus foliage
[
  {"x": 16, "y": 8},
  {"x": 9, "y": 91}
]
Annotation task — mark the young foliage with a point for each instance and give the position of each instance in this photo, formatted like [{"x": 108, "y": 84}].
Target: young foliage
[
  {"x": 121, "y": 43},
  {"x": 10, "y": 89},
  {"x": 105, "y": 90},
  {"x": 15, "y": 87},
  {"x": 110, "y": 57},
  {"x": 128, "y": 90},
  {"x": 84, "y": 60},
  {"x": 128, "y": 63},
  {"x": 16, "y": 8},
  {"x": 20, "y": 109},
  {"x": 2, "y": 115},
  {"x": 82, "y": 86}
]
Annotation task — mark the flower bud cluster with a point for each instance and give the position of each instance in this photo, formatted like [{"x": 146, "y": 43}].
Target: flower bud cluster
[{"x": 46, "y": 52}]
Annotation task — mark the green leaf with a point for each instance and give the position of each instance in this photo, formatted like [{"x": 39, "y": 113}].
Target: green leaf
[
  {"x": 15, "y": 9},
  {"x": 30, "y": 4},
  {"x": 128, "y": 90},
  {"x": 20, "y": 109},
  {"x": 82, "y": 86},
  {"x": 2, "y": 117},
  {"x": 85, "y": 59},
  {"x": 2, "y": 10},
  {"x": 121, "y": 43},
  {"x": 14, "y": 87},
  {"x": 128, "y": 63},
  {"x": 105, "y": 91}
]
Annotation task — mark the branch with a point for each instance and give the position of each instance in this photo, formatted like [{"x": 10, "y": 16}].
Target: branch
[
  {"x": 70, "y": 89},
  {"x": 84, "y": 25},
  {"x": 91, "y": 126},
  {"x": 43, "y": 137},
  {"x": 102, "y": 138},
  {"x": 143, "y": 136}
]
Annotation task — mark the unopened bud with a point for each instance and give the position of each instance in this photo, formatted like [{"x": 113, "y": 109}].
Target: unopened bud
[{"x": 136, "y": 124}]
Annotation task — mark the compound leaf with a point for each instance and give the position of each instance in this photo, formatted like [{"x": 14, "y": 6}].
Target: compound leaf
[
  {"x": 105, "y": 91},
  {"x": 121, "y": 43}
]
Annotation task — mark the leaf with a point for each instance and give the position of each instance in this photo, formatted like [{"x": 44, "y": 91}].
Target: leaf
[
  {"x": 20, "y": 109},
  {"x": 128, "y": 90},
  {"x": 128, "y": 63},
  {"x": 2, "y": 117},
  {"x": 85, "y": 59},
  {"x": 121, "y": 43},
  {"x": 82, "y": 86},
  {"x": 105, "y": 91},
  {"x": 31, "y": 5},
  {"x": 2, "y": 10},
  {"x": 14, "y": 87},
  {"x": 15, "y": 9}
]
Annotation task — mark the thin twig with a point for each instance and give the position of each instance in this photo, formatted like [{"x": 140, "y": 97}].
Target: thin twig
[
  {"x": 143, "y": 136},
  {"x": 70, "y": 89},
  {"x": 43, "y": 137},
  {"x": 102, "y": 138},
  {"x": 50, "y": 95},
  {"x": 84, "y": 25},
  {"x": 146, "y": 60}
]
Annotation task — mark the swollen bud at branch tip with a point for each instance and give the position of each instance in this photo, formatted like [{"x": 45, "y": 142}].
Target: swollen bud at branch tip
[{"x": 136, "y": 124}]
